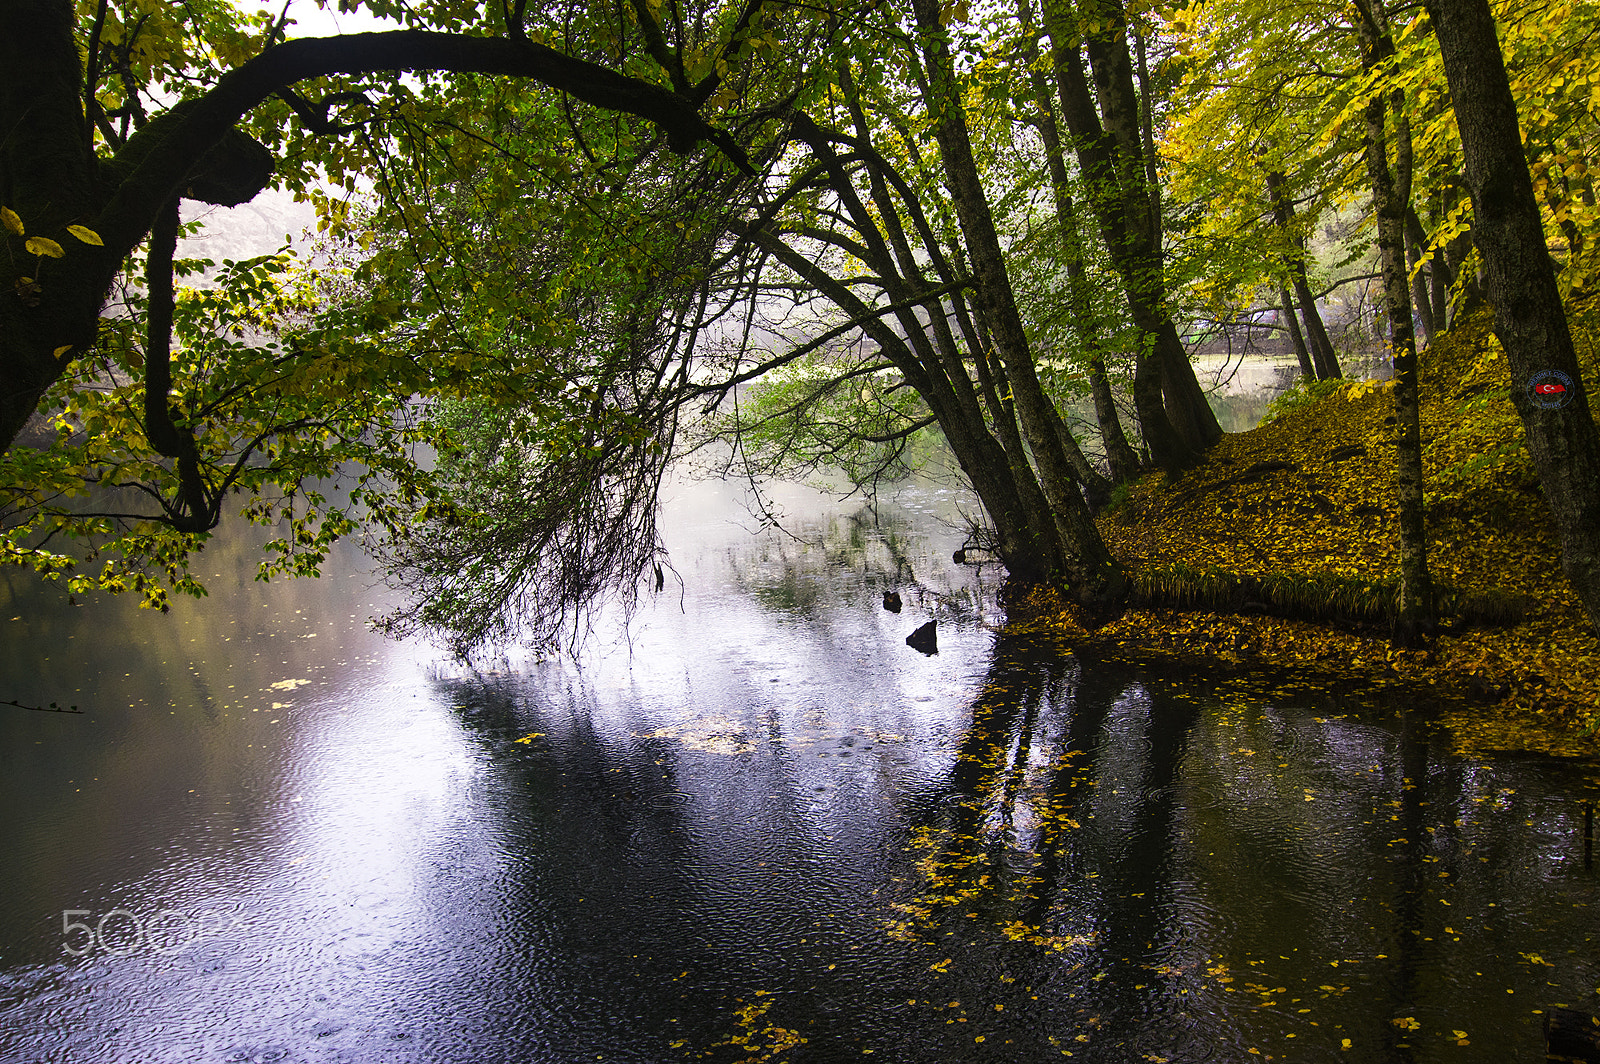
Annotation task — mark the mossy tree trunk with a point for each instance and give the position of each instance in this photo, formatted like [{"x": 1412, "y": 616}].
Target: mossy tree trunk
[{"x": 1529, "y": 318}]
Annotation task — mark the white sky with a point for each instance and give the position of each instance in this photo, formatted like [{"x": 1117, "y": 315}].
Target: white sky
[
  {"x": 261, "y": 226},
  {"x": 312, "y": 20}
]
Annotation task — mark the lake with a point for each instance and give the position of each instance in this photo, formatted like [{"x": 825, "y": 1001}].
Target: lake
[{"x": 752, "y": 825}]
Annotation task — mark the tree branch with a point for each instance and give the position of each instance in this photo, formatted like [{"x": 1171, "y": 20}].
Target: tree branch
[{"x": 162, "y": 167}]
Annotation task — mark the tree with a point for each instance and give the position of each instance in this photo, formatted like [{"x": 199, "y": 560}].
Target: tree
[
  {"x": 94, "y": 158},
  {"x": 1255, "y": 166},
  {"x": 1391, "y": 200},
  {"x": 54, "y": 180},
  {"x": 1529, "y": 318},
  {"x": 1120, "y": 457},
  {"x": 1323, "y": 356},
  {"x": 1174, "y": 415},
  {"x": 835, "y": 287}
]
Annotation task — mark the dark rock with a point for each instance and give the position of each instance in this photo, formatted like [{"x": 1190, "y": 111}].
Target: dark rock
[
  {"x": 891, "y": 601},
  {"x": 925, "y": 639}
]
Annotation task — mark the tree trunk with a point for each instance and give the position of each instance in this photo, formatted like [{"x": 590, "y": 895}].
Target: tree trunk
[
  {"x": 1426, "y": 291},
  {"x": 1440, "y": 275},
  {"x": 1307, "y": 370},
  {"x": 1093, "y": 575},
  {"x": 1415, "y": 616},
  {"x": 47, "y": 178},
  {"x": 1322, "y": 353},
  {"x": 1120, "y": 457},
  {"x": 1112, "y": 68},
  {"x": 1528, "y": 315},
  {"x": 1147, "y": 132},
  {"x": 1421, "y": 306},
  {"x": 1028, "y": 538},
  {"x": 1123, "y": 215}
]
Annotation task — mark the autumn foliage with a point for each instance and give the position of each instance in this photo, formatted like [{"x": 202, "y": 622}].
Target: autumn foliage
[{"x": 1305, "y": 502}]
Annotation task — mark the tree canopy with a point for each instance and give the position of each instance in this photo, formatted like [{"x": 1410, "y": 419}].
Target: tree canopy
[{"x": 564, "y": 241}]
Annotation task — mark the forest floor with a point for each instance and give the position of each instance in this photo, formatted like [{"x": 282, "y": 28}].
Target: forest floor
[{"x": 1301, "y": 511}]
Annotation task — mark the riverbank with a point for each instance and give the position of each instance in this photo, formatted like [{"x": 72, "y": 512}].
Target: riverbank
[{"x": 1289, "y": 533}]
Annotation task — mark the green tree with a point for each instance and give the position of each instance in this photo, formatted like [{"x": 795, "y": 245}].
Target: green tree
[
  {"x": 149, "y": 397},
  {"x": 1104, "y": 121}
]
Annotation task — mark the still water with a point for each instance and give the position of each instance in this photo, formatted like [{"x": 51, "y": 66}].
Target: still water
[{"x": 758, "y": 827}]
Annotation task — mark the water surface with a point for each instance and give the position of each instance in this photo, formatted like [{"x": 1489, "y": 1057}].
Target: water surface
[{"x": 760, "y": 827}]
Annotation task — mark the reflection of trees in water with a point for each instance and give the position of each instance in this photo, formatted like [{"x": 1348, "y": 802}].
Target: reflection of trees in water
[
  {"x": 993, "y": 834},
  {"x": 1187, "y": 877},
  {"x": 1239, "y": 874},
  {"x": 815, "y": 567}
]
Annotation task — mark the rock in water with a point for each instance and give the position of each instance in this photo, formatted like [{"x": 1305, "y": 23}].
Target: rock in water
[
  {"x": 925, "y": 639},
  {"x": 891, "y": 601}
]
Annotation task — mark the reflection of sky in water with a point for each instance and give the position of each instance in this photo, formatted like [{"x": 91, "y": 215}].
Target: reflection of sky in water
[{"x": 730, "y": 809}]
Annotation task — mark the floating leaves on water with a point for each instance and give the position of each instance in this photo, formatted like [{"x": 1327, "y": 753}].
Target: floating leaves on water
[
  {"x": 710, "y": 735},
  {"x": 288, "y": 685},
  {"x": 530, "y": 737},
  {"x": 763, "y": 1043}
]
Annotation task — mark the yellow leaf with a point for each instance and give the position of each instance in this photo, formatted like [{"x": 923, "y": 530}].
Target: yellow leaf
[
  {"x": 43, "y": 245},
  {"x": 12, "y": 222},
  {"x": 63, "y": 349},
  {"x": 87, "y": 235}
]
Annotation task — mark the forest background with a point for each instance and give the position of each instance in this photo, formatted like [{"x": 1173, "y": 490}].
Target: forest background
[{"x": 564, "y": 244}]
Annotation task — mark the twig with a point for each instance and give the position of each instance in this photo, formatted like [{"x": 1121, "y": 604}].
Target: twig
[{"x": 51, "y": 708}]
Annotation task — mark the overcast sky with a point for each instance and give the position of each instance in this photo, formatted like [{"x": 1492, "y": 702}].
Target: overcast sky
[
  {"x": 261, "y": 226},
  {"x": 314, "y": 21}
]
